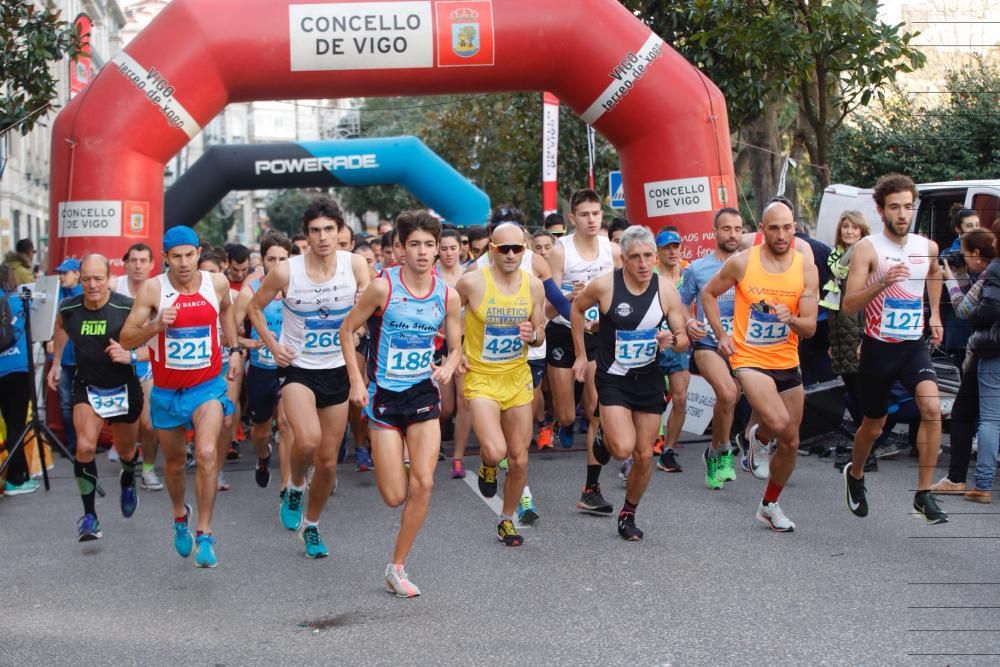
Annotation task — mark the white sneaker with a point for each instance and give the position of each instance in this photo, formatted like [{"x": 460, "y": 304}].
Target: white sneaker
[
  {"x": 398, "y": 583},
  {"x": 774, "y": 518},
  {"x": 625, "y": 471},
  {"x": 113, "y": 455},
  {"x": 760, "y": 454},
  {"x": 150, "y": 482}
]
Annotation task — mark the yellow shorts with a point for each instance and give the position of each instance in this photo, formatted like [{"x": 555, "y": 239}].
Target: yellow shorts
[{"x": 509, "y": 389}]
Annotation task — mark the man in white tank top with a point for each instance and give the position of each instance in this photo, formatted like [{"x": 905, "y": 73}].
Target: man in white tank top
[
  {"x": 320, "y": 287},
  {"x": 887, "y": 277},
  {"x": 575, "y": 260}
]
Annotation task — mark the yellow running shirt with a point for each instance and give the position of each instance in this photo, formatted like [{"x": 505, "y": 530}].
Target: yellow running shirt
[
  {"x": 759, "y": 339},
  {"x": 493, "y": 342}
]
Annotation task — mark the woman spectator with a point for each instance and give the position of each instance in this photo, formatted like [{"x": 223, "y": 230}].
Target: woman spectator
[
  {"x": 15, "y": 382},
  {"x": 845, "y": 330},
  {"x": 978, "y": 249},
  {"x": 985, "y": 344},
  {"x": 956, "y": 329}
]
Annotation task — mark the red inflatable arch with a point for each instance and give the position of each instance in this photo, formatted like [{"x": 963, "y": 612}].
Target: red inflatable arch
[{"x": 110, "y": 144}]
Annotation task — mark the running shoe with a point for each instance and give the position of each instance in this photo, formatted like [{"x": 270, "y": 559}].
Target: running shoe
[
  {"x": 926, "y": 505},
  {"x": 88, "y": 528},
  {"x": 627, "y": 528},
  {"x": 150, "y": 481},
  {"x": 774, "y": 518},
  {"x": 314, "y": 543},
  {"x": 527, "y": 514},
  {"x": 658, "y": 445},
  {"x": 566, "y": 436},
  {"x": 727, "y": 469},
  {"x": 113, "y": 456},
  {"x": 712, "y": 480},
  {"x": 668, "y": 461},
  {"x": 854, "y": 493},
  {"x": 754, "y": 454},
  {"x": 262, "y": 472},
  {"x": 626, "y": 469},
  {"x": 233, "y": 452},
  {"x": 601, "y": 453},
  {"x": 291, "y": 509},
  {"x": 129, "y": 500},
  {"x": 205, "y": 556},
  {"x": 363, "y": 459},
  {"x": 945, "y": 486},
  {"x": 183, "y": 540},
  {"x": 592, "y": 502},
  {"x": 457, "y": 469},
  {"x": 29, "y": 486},
  {"x": 222, "y": 484},
  {"x": 398, "y": 582},
  {"x": 487, "y": 480},
  {"x": 545, "y": 435},
  {"x": 507, "y": 533},
  {"x": 503, "y": 463},
  {"x": 888, "y": 450},
  {"x": 189, "y": 461}
]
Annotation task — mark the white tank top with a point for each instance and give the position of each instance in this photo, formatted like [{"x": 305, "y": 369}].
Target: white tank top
[
  {"x": 896, "y": 314},
  {"x": 313, "y": 313},
  {"x": 578, "y": 269}
]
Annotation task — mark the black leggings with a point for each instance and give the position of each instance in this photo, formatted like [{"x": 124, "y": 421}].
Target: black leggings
[
  {"x": 14, "y": 408},
  {"x": 964, "y": 423}
]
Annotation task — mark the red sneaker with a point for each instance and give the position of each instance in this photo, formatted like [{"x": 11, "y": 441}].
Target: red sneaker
[
  {"x": 658, "y": 447},
  {"x": 544, "y": 436}
]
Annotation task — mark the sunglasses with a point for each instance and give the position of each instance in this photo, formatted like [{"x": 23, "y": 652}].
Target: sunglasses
[
  {"x": 506, "y": 249},
  {"x": 558, "y": 234},
  {"x": 465, "y": 241}
]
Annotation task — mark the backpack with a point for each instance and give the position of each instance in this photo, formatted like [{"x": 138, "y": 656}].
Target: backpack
[{"x": 8, "y": 332}]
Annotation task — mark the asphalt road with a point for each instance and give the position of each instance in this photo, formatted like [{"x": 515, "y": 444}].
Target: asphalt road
[{"x": 709, "y": 585}]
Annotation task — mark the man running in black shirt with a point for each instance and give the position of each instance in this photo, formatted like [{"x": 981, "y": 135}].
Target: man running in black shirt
[{"x": 105, "y": 386}]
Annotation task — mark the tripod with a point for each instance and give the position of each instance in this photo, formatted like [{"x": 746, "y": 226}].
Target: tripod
[{"x": 35, "y": 425}]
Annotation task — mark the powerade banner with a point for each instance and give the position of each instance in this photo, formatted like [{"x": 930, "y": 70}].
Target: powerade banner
[{"x": 404, "y": 161}]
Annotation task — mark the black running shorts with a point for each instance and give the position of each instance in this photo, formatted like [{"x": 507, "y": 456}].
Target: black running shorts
[
  {"x": 398, "y": 409},
  {"x": 330, "y": 386},
  {"x": 262, "y": 393},
  {"x": 639, "y": 393},
  {"x": 135, "y": 399},
  {"x": 784, "y": 379},
  {"x": 882, "y": 364},
  {"x": 559, "y": 351}
]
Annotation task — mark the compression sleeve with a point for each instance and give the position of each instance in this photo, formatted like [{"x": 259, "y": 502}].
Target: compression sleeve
[{"x": 556, "y": 297}]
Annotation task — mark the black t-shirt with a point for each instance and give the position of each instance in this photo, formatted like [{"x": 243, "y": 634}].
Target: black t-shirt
[
  {"x": 627, "y": 343},
  {"x": 91, "y": 331}
]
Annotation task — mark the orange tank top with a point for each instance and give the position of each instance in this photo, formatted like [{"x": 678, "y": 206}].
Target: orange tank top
[{"x": 759, "y": 339}]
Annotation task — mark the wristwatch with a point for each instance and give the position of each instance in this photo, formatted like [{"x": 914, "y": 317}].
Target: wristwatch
[
  {"x": 135, "y": 357},
  {"x": 239, "y": 348}
]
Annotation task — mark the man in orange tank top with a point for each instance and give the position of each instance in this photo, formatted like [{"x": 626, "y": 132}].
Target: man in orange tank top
[{"x": 776, "y": 302}]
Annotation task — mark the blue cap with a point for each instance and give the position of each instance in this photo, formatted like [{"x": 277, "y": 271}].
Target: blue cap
[
  {"x": 70, "y": 264},
  {"x": 667, "y": 237},
  {"x": 179, "y": 235}
]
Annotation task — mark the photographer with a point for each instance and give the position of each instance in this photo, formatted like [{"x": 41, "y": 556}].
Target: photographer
[{"x": 956, "y": 329}]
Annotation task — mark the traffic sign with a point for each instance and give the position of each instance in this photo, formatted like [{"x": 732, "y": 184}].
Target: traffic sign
[{"x": 616, "y": 190}]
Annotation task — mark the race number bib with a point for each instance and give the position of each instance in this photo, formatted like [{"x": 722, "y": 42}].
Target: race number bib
[
  {"x": 727, "y": 326},
  {"x": 265, "y": 359},
  {"x": 502, "y": 343},
  {"x": 188, "y": 348},
  {"x": 108, "y": 403},
  {"x": 765, "y": 329},
  {"x": 591, "y": 314},
  {"x": 410, "y": 356},
  {"x": 902, "y": 318},
  {"x": 635, "y": 348},
  {"x": 322, "y": 336}
]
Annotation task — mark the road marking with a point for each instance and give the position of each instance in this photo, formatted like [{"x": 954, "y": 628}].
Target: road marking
[{"x": 495, "y": 503}]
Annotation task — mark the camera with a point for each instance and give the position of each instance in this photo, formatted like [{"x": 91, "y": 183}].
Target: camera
[{"x": 955, "y": 260}]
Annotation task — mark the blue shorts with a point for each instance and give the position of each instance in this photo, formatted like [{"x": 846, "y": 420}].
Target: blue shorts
[
  {"x": 674, "y": 362},
  {"x": 537, "y": 367},
  {"x": 144, "y": 371},
  {"x": 173, "y": 408}
]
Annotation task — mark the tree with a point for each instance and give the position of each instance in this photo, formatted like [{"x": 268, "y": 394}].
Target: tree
[
  {"x": 285, "y": 210},
  {"x": 214, "y": 226},
  {"x": 31, "y": 39}
]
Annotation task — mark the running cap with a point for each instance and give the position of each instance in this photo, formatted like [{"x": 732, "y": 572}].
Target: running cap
[
  {"x": 667, "y": 237},
  {"x": 180, "y": 235},
  {"x": 70, "y": 264}
]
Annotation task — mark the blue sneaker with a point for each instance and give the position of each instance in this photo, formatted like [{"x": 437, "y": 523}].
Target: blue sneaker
[
  {"x": 363, "y": 459},
  {"x": 291, "y": 509},
  {"x": 206, "y": 552},
  {"x": 314, "y": 543},
  {"x": 29, "y": 486},
  {"x": 129, "y": 500},
  {"x": 566, "y": 436},
  {"x": 88, "y": 528},
  {"x": 183, "y": 540},
  {"x": 527, "y": 513}
]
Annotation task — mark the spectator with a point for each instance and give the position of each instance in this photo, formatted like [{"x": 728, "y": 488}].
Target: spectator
[
  {"x": 985, "y": 342},
  {"x": 14, "y": 378},
  {"x": 956, "y": 329},
  {"x": 844, "y": 329},
  {"x": 979, "y": 249},
  {"x": 20, "y": 260}
]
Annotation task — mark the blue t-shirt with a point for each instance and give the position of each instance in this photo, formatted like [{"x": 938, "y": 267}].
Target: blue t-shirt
[
  {"x": 69, "y": 354},
  {"x": 15, "y": 358},
  {"x": 696, "y": 276}
]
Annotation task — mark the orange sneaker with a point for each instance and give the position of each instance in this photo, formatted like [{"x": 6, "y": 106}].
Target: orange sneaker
[
  {"x": 544, "y": 436},
  {"x": 658, "y": 447}
]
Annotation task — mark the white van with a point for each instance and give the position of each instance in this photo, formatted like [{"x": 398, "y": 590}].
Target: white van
[{"x": 931, "y": 219}]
